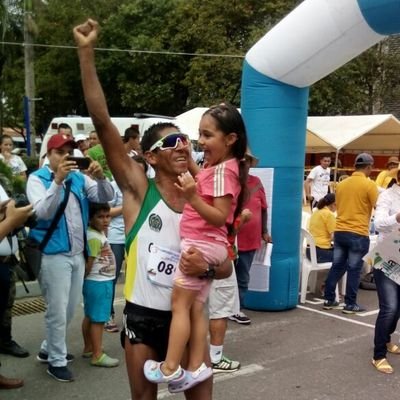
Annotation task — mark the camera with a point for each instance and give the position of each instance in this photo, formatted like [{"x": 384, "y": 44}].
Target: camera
[
  {"x": 22, "y": 201},
  {"x": 81, "y": 162}
]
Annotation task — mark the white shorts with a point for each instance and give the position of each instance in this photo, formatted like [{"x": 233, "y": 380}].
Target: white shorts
[{"x": 223, "y": 300}]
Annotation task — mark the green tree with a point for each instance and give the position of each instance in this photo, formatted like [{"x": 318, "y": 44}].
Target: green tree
[
  {"x": 220, "y": 29},
  {"x": 134, "y": 82},
  {"x": 169, "y": 84},
  {"x": 147, "y": 79},
  {"x": 57, "y": 70},
  {"x": 363, "y": 86},
  {"x": 11, "y": 31}
]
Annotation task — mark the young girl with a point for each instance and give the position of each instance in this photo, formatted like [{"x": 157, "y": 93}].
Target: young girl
[
  {"x": 15, "y": 162},
  {"x": 98, "y": 286},
  {"x": 213, "y": 202}
]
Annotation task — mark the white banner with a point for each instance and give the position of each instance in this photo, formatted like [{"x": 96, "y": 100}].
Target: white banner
[{"x": 386, "y": 256}]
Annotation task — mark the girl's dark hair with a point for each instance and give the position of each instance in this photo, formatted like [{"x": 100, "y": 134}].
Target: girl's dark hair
[
  {"x": 228, "y": 120},
  {"x": 327, "y": 200},
  {"x": 153, "y": 134},
  {"x": 94, "y": 208},
  {"x": 2, "y": 137}
]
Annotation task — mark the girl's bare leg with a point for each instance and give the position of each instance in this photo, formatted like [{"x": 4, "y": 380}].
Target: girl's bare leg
[
  {"x": 179, "y": 333},
  {"x": 198, "y": 336}
]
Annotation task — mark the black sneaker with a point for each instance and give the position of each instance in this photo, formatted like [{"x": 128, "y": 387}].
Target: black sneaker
[
  {"x": 331, "y": 305},
  {"x": 43, "y": 357},
  {"x": 61, "y": 374},
  {"x": 240, "y": 318},
  {"x": 353, "y": 309},
  {"x": 13, "y": 349}
]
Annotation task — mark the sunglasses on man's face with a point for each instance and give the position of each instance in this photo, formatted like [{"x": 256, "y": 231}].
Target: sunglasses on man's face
[{"x": 170, "y": 141}]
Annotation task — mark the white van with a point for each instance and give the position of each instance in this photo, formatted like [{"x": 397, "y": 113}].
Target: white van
[{"x": 84, "y": 125}]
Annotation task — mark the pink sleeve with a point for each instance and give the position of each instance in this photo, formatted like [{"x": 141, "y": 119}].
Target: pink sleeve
[{"x": 221, "y": 183}]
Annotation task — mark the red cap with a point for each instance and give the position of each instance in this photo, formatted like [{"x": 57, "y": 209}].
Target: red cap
[{"x": 59, "y": 140}]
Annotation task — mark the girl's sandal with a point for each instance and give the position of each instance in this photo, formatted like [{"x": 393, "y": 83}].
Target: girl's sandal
[
  {"x": 190, "y": 379},
  {"x": 393, "y": 348},
  {"x": 153, "y": 373},
  {"x": 383, "y": 366}
]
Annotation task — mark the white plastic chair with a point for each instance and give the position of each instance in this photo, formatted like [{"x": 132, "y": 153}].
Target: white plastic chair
[
  {"x": 305, "y": 202},
  {"x": 305, "y": 219},
  {"x": 307, "y": 266}
]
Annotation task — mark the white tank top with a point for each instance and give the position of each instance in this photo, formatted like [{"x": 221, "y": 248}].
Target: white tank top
[{"x": 153, "y": 248}]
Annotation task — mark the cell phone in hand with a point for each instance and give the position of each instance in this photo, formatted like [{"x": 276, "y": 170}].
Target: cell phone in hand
[{"x": 81, "y": 162}]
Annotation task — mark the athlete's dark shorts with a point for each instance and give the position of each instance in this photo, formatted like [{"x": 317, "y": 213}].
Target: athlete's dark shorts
[{"x": 147, "y": 326}]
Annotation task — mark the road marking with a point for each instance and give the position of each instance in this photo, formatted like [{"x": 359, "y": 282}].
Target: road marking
[
  {"x": 336, "y": 316},
  {"x": 367, "y": 313},
  {"x": 246, "y": 370},
  {"x": 316, "y": 301}
]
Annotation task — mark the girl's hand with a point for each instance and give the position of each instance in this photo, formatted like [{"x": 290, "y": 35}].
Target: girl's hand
[
  {"x": 267, "y": 237},
  {"x": 187, "y": 185}
]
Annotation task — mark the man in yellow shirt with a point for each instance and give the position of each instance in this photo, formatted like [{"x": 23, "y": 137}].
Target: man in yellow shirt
[
  {"x": 355, "y": 198},
  {"x": 385, "y": 176}
]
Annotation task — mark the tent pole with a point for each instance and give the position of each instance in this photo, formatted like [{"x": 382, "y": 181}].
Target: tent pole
[{"x": 335, "y": 172}]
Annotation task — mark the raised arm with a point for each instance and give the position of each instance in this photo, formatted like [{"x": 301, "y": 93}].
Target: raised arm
[{"x": 128, "y": 174}]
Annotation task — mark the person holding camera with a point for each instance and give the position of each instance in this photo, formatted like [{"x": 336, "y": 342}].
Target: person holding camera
[
  {"x": 11, "y": 218},
  {"x": 8, "y": 248},
  {"x": 60, "y": 191}
]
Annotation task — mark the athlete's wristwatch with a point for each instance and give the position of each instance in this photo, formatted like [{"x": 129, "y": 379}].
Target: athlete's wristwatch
[{"x": 210, "y": 272}]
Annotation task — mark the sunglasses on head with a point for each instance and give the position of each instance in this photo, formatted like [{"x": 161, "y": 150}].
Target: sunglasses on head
[{"x": 170, "y": 141}]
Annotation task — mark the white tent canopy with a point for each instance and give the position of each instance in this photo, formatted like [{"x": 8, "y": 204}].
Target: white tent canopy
[
  {"x": 189, "y": 121},
  {"x": 353, "y": 132},
  {"x": 379, "y": 132}
]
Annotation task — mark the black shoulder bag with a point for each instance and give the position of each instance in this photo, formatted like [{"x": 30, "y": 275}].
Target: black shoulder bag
[{"x": 30, "y": 252}]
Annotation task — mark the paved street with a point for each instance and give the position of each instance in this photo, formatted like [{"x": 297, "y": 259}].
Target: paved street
[{"x": 304, "y": 353}]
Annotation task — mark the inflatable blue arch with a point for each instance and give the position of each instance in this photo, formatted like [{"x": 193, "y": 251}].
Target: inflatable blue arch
[{"x": 314, "y": 40}]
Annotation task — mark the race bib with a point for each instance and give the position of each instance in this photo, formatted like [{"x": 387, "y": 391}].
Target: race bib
[
  {"x": 162, "y": 265},
  {"x": 386, "y": 256}
]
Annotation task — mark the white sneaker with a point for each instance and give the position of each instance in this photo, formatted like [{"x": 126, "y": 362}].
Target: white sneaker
[{"x": 225, "y": 365}]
